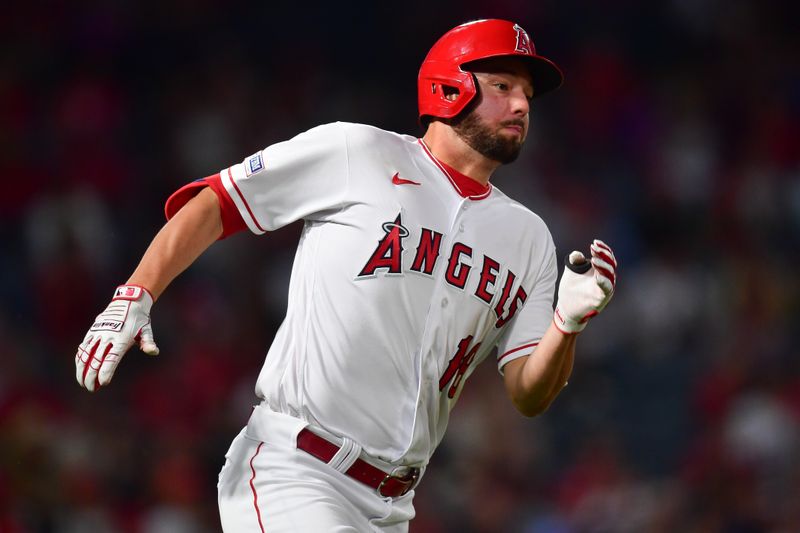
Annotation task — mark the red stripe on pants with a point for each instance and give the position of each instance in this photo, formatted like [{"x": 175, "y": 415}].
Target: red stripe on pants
[{"x": 253, "y": 487}]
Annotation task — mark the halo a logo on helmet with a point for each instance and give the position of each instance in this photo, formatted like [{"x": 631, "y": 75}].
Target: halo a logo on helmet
[{"x": 523, "y": 41}]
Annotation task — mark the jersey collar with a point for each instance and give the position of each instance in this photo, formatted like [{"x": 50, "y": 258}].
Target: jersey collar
[{"x": 465, "y": 186}]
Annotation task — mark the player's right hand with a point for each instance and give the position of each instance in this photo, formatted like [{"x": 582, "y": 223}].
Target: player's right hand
[
  {"x": 124, "y": 322},
  {"x": 586, "y": 287}
]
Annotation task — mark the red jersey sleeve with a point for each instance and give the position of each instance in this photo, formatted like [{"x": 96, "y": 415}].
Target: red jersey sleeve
[{"x": 232, "y": 221}]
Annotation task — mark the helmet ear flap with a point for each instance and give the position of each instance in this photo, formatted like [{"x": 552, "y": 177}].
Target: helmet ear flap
[{"x": 438, "y": 89}]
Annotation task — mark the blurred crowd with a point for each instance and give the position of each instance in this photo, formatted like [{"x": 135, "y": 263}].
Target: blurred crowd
[{"x": 676, "y": 139}]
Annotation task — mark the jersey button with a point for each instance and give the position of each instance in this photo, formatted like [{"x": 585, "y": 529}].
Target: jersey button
[
  {"x": 444, "y": 302},
  {"x": 461, "y": 228}
]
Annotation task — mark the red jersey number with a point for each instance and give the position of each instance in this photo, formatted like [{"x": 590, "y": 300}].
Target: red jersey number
[{"x": 458, "y": 366}]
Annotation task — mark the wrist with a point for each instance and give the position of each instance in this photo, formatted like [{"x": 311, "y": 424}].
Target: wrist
[{"x": 566, "y": 325}]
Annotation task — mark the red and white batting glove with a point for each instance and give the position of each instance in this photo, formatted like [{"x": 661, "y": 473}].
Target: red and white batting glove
[
  {"x": 124, "y": 322},
  {"x": 586, "y": 287}
]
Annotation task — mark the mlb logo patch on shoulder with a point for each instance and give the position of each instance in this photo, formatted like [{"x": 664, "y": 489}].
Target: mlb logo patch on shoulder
[{"x": 254, "y": 164}]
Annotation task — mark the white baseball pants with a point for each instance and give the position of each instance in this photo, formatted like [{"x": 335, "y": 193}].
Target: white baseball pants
[{"x": 268, "y": 485}]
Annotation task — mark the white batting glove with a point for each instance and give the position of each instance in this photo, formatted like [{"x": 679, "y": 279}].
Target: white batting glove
[
  {"x": 124, "y": 322},
  {"x": 586, "y": 287}
]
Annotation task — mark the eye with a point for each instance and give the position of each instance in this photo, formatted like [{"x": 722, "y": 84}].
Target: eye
[{"x": 501, "y": 85}]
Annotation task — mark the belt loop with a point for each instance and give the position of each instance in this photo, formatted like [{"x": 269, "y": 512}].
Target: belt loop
[
  {"x": 347, "y": 454},
  {"x": 354, "y": 451}
]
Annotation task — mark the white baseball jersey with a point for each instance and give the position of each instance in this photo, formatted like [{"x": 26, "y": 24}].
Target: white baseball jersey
[{"x": 402, "y": 283}]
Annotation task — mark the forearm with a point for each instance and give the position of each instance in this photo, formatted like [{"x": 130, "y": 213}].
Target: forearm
[
  {"x": 586, "y": 287},
  {"x": 534, "y": 382},
  {"x": 179, "y": 243}
]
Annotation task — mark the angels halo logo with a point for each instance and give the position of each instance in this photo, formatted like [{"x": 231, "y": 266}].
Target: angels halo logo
[{"x": 523, "y": 41}]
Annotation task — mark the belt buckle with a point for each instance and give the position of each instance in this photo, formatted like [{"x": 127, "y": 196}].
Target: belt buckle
[{"x": 405, "y": 475}]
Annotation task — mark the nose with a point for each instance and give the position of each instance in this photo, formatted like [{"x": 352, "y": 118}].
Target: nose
[{"x": 520, "y": 105}]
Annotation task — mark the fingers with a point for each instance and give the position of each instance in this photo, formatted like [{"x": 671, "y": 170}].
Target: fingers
[
  {"x": 108, "y": 365},
  {"x": 604, "y": 251},
  {"x": 577, "y": 263},
  {"x": 604, "y": 279},
  {"x": 95, "y": 362},
  {"x": 85, "y": 353},
  {"x": 604, "y": 270},
  {"x": 88, "y": 363},
  {"x": 100, "y": 370},
  {"x": 576, "y": 257},
  {"x": 146, "y": 341},
  {"x": 605, "y": 265}
]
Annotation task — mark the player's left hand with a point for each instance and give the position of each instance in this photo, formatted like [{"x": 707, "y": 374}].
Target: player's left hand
[
  {"x": 124, "y": 322},
  {"x": 586, "y": 287}
]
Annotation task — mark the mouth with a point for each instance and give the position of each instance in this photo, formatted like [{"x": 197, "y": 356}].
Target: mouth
[
  {"x": 513, "y": 123},
  {"x": 513, "y": 127}
]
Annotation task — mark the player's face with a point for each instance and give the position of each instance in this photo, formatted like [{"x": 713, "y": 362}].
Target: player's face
[{"x": 497, "y": 125}]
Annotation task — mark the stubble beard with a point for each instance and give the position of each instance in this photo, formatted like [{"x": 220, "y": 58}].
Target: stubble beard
[{"x": 486, "y": 142}]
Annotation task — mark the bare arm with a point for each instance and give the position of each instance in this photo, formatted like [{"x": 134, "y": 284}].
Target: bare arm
[
  {"x": 126, "y": 320},
  {"x": 179, "y": 243},
  {"x": 533, "y": 382}
]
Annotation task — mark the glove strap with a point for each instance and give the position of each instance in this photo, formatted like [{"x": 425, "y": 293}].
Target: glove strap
[
  {"x": 130, "y": 292},
  {"x": 566, "y": 325}
]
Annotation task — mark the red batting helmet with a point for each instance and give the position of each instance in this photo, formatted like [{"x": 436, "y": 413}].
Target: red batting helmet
[{"x": 481, "y": 39}]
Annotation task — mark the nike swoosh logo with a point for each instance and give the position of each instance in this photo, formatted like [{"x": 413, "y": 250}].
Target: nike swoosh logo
[{"x": 397, "y": 180}]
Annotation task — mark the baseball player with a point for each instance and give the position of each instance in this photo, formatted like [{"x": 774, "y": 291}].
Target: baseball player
[{"x": 412, "y": 268}]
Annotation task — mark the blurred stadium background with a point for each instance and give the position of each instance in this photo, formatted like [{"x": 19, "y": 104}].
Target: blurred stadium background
[{"x": 676, "y": 138}]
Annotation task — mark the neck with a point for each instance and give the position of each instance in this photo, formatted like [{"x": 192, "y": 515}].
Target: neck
[{"x": 448, "y": 147}]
